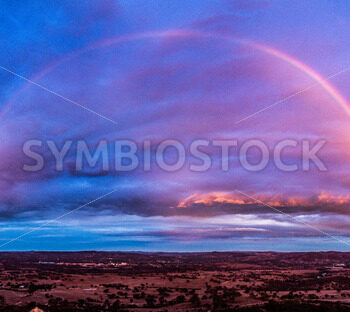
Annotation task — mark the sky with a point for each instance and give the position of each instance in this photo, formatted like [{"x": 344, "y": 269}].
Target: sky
[{"x": 185, "y": 70}]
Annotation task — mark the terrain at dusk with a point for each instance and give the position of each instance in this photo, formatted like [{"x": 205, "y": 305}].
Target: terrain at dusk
[{"x": 225, "y": 281}]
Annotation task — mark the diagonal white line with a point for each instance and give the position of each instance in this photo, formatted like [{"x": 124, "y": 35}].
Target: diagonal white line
[
  {"x": 292, "y": 95},
  {"x": 295, "y": 219},
  {"x": 53, "y": 220},
  {"x": 57, "y": 94}
]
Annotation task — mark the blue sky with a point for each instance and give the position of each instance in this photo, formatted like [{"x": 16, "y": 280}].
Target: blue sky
[{"x": 122, "y": 60}]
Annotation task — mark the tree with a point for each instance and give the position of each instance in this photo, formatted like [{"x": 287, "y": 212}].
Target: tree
[
  {"x": 150, "y": 301},
  {"x": 116, "y": 306},
  {"x": 195, "y": 300}
]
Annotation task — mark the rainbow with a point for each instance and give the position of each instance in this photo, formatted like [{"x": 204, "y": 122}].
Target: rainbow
[
  {"x": 183, "y": 33},
  {"x": 331, "y": 90}
]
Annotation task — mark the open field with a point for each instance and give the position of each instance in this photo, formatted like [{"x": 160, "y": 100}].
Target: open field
[{"x": 229, "y": 281}]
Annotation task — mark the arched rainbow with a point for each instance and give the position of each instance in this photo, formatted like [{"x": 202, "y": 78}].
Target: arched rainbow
[
  {"x": 332, "y": 91},
  {"x": 183, "y": 33}
]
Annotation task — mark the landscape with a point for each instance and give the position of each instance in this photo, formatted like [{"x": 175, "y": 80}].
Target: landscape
[
  {"x": 213, "y": 281},
  {"x": 167, "y": 155}
]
